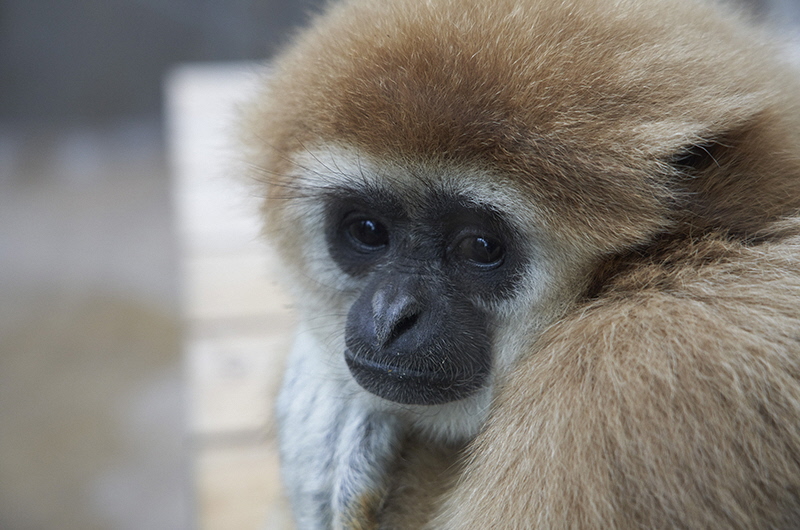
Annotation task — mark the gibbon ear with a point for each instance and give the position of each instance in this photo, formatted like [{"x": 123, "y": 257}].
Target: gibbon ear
[
  {"x": 741, "y": 180},
  {"x": 698, "y": 157}
]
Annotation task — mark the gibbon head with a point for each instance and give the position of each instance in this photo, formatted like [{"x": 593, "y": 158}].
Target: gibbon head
[{"x": 445, "y": 178}]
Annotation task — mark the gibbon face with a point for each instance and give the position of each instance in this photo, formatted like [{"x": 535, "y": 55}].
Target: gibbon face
[
  {"x": 419, "y": 276},
  {"x": 445, "y": 179},
  {"x": 419, "y": 331}
]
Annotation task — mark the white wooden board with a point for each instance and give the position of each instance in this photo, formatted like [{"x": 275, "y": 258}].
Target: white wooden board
[{"x": 237, "y": 321}]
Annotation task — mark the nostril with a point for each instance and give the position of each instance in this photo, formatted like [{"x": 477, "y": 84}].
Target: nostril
[{"x": 402, "y": 325}]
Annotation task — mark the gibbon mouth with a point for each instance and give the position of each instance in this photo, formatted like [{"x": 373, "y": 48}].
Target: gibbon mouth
[
  {"x": 391, "y": 371},
  {"x": 409, "y": 386}
]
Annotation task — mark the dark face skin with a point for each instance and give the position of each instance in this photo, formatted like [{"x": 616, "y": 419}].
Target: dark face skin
[{"x": 418, "y": 332}]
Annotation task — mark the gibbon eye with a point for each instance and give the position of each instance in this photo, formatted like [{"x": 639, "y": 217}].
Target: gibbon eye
[
  {"x": 481, "y": 250},
  {"x": 368, "y": 234}
]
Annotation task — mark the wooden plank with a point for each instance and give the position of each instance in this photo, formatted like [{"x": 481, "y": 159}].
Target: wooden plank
[{"x": 237, "y": 319}]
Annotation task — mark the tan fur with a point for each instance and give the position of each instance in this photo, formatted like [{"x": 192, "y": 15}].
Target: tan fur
[
  {"x": 671, "y": 401},
  {"x": 668, "y": 395}
]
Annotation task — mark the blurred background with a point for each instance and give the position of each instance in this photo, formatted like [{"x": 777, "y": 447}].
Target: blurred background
[
  {"x": 92, "y": 397},
  {"x": 92, "y": 410}
]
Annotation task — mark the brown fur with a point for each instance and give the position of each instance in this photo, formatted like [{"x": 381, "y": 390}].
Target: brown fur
[
  {"x": 581, "y": 103},
  {"x": 669, "y": 397}
]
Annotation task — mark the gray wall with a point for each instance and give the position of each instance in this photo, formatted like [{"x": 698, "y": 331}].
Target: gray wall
[{"x": 90, "y": 60}]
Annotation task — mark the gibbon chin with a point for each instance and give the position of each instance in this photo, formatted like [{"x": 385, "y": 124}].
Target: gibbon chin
[{"x": 546, "y": 259}]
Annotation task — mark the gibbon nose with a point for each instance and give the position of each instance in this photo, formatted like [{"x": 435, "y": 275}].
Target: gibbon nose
[{"x": 395, "y": 309}]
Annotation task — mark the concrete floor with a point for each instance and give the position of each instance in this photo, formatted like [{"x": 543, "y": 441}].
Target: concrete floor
[{"x": 91, "y": 395}]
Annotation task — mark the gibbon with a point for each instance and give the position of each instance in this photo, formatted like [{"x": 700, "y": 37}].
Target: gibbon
[{"x": 546, "y": 259}]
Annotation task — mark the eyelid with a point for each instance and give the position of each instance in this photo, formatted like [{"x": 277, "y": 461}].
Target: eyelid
[{"x": 464, "y": 231}]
